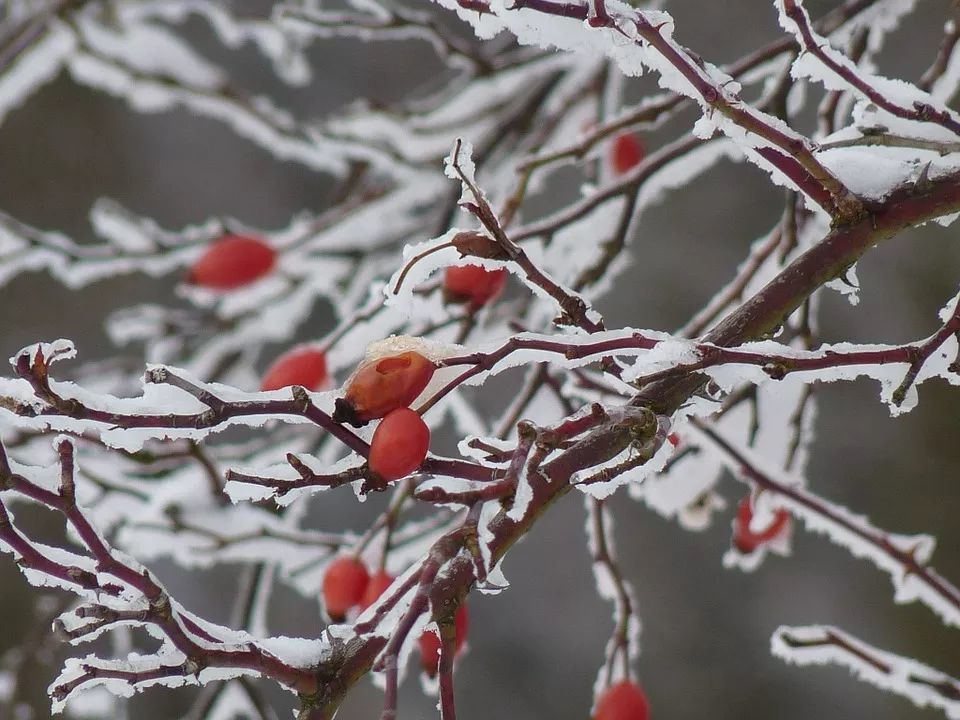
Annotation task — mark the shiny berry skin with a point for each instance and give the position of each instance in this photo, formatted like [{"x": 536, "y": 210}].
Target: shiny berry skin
[
  {"x": 378, "y": 584},
  {"x": 301, "y": 366},
  {"x": 430, "y": 642},
  {"x": 399, "y": 444},
  {"x": 232, "y": 262},
  {"x": 473, "y": 284},
  {"x": 623, "y": 701},
  {"x": 382, "y": 385},
  {"x": 745, "y": 539},
  {"x": 344, "y": 584},
  {"x": 626, "y": 153}
]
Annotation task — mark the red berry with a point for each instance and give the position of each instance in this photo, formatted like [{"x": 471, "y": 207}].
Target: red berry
[
  {"x": 674, "y": 439},
  {"x": 473, "y": 284},
  {"x": 344, "y": 584},
  {"x": 627, "y": 153},
  {"x": 623, "y": 701},
  {"x": 399, "y": 444},
  {"x": 380, "y": 581},
  {"x": 745, "y": 539},
  {"x": 380, "y": 386},
  {"x": 430, "y": 642},
  {"x": 301, "y": 366},
  {"x": 231, "y": 262}
]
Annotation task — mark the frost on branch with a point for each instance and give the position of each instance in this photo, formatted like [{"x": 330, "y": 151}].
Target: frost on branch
[{"x": 820, "y": 645}]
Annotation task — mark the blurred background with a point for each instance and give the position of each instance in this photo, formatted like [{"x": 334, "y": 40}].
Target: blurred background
[{"x": 534, "y": 650}]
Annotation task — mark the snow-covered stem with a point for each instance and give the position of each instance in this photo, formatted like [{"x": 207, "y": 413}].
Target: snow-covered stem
[
  {"x": 734, "y": 290},
  {"x": 448, "y": 705},
  {"x": 628, "y": 185},
  {"x": 219, "y": 410},
  {"x": 200, "y": 647},
  {"x": 32, "y": 30},
  {"x": 441, "y": 552},
  {"x": 573, "y": 309},
  {"x": 827, "y": 110},
  {"x": 811, "y": 43},
  {"x": 827, "y": 259},
  {"x": 948, "y": 44},
  {"x": 389, "y": 21},
  {"x": 604, "y": 559},
  {"x": 595, "y": 405},
  {"x": 793, "y": 155},
  {"x": 910, "y": 565},
  {"x": 822, "y": 644},
  {"x": 527, "y": 436},
  {"x": 30, "y": 557}
]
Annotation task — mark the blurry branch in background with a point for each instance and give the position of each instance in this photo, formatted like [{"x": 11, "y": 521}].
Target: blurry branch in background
[{"x": 819, "y": 645}]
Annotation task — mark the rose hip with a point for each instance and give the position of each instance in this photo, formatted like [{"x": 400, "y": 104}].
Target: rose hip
[
  {"x": 231, "y": 262},
  {"x": 382, "y": 385},
  {"x": 399, "y": 444},
  {"x": 344, "y": 584},
  {"x": 301, "y": 366}
]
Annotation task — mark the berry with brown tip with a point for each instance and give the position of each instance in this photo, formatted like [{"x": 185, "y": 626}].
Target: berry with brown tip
[{"x": 382, "y": 385}]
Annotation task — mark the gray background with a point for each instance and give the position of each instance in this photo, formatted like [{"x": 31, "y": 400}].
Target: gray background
[{"x": 535, "y": 649}]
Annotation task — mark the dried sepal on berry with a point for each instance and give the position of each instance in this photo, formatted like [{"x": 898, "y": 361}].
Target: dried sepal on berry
[
  {"x": 392, "y": 377},
  {"x": 469, "y": 243},
  {"x": 473, "y": 243}
]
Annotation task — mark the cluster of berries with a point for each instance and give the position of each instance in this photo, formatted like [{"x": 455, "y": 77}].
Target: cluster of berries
[
  {"x": 347, "y": 586},
  {"x": 383, "y": 389}
]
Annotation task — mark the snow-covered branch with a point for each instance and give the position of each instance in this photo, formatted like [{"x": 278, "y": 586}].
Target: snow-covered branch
[{"x": 434, "y": 335}]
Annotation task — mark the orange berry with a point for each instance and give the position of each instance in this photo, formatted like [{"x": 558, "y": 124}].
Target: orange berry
[
  {"x": 301, "y": 366},
  {"x": 382, "y": 385},
  {"x": 473, "y": 284},
  {"x": 344, "y": 584},
  {"x": 232, "y": 262},
  {"x": 378, "y": 584},
  {"x": 627, "y": 152},
  {"x": 399, "y": 444},
  {"x": 623, "y": 701},
  {"x": 430, "y": 642}
]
